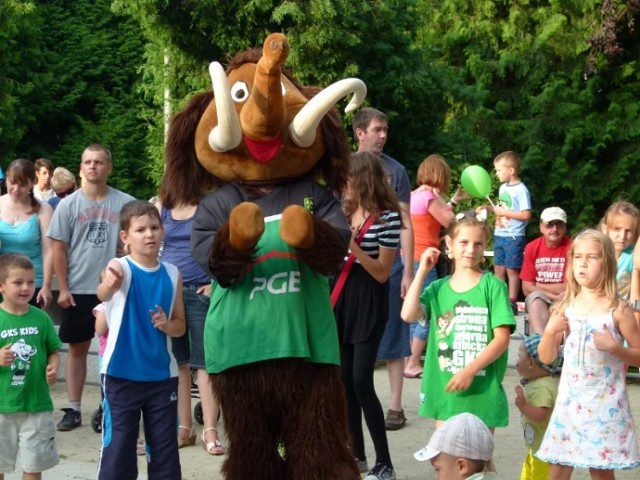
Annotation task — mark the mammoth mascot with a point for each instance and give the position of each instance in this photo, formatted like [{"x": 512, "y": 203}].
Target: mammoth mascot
[{"x": 269, "y": 235}]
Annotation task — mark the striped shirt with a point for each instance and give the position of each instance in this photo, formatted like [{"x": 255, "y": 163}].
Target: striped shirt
[{"x": 385, "y": 233}]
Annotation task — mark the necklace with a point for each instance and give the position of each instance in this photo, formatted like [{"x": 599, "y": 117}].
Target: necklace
[{"x": 16, "y": 214}]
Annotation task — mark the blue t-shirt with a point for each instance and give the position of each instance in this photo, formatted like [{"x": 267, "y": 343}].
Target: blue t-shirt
[{"x": 516, "y": 198}]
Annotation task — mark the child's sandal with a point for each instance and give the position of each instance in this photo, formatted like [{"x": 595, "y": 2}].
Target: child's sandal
[
  {"x": 214, "y": 447},
  {"x": 190, "y": 440}
]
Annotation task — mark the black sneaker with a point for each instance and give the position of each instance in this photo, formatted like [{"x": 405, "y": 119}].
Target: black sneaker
[
  {"x": 514, "y": 308},
  {"x": 72, "y": 419},
  {"x": 381, "y": 472}
]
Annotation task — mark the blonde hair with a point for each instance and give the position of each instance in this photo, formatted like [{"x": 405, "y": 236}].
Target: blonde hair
[
  {"x": 511, "y": 159},
  {"x": 622, "y": 208},
  {"x": 434, "y": 171},
  {"x": 606, "y": 282},
  {"x": 62, "y": 178}
]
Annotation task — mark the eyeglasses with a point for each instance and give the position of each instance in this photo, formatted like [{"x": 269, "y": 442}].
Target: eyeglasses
[
  {"x": 555, "y": 223},
  {"x": 68, "y": 191}
]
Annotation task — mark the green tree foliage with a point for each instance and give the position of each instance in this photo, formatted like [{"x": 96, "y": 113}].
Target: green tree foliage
[
  {"x": 77, "y": 86},
  {"x": 521, "y": 75},
  {"x": 330, "y": 40},
  {"x": 19, "y": 60}
]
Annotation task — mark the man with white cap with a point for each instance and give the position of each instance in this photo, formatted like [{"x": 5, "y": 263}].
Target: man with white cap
[
  {"x": 460, "y": 449},
  {"x": 543, "y": 272}
]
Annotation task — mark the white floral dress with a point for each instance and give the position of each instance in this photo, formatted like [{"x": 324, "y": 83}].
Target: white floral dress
[{"x": 591, "y": 425}]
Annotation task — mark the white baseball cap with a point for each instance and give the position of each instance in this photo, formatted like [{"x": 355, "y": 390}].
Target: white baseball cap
[
  {"x": 553, "y": 213},
  {"x": 462, "y": 436}
]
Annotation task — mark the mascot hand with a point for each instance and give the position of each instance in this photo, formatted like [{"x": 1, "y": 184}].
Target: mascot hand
[
  {"x": 297, "y": 227},
  {"x": 246, "y": 226}
]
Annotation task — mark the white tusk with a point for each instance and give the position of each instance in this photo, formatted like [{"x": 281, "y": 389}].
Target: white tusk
[
  {"x": 227, "y": 135},
  {"x": 303, "y": 128}
]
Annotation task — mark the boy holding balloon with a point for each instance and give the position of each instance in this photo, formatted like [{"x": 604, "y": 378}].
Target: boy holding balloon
[{"x": 512, "y": 211}]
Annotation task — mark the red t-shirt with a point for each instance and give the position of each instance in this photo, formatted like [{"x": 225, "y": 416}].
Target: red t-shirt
[{"x": 543, "y": 264}]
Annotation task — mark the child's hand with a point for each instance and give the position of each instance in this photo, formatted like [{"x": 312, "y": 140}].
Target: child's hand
[
  {"x": 429, "y": 258},
  {"x": 520, "y": 400},
  {"x": 488, "y": 208},
  {"x": 113, "y": 279},
  {"x": 205, "y": 290},
  {"x": 52, "y": 374},
  {"x": 6, "y": 355},
  {"x": 460, "y": 382},
  {"x": 603, "y": 340},
  {"x": 558, "y": 323},
  {"x": 460, "y": 195},
  {"x": 159, "y": 318}
]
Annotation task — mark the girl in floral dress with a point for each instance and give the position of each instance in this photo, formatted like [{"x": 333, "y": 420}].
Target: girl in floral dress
[{"x": 591, "y": 425}]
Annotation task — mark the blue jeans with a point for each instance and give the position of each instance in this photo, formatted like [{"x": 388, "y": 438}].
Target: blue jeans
[
  {"x": 190, "y": 346},
  {"x": 395, "y": 340}
]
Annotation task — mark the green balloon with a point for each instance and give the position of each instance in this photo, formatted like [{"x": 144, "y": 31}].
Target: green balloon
[{"x": 476, "y": 181}]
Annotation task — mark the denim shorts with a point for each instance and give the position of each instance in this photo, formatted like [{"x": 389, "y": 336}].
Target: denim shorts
[
  {"x": 190, "y": 346},
  {"x": 508, "y": 252},
  {"x": 395, "y": 340},
  {"x": 418, "y": 331}
]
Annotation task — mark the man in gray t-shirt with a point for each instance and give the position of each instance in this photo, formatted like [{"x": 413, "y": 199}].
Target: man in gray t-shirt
[{"x": 84, "y": 232}]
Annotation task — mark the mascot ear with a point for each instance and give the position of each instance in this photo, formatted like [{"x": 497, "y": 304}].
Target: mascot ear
[{"x": 182, "y": 164}]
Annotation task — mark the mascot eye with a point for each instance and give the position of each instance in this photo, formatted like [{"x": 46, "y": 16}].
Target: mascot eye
[{"x": 239, "y": 92}]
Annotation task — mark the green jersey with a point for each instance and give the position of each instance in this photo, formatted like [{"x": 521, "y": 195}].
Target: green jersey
[{"x": 23, "y": 384}]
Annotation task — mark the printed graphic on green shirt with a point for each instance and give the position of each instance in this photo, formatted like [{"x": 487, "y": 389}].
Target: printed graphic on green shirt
[{"x": 461, "y": 336}]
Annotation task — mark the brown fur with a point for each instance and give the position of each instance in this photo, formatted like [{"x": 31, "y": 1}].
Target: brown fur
[
  {"x": 325, "y": 260},
  {"x": 227, "y": 264},
  {"x": 302, "y": 408},
  {"x": 185, "y": 179}
]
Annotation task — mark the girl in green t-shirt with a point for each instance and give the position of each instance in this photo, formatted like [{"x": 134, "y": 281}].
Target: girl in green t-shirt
[{"x": 471, "y": 322}]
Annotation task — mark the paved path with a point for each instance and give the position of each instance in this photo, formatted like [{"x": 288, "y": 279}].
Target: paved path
[{"x": 79, "y": 448}]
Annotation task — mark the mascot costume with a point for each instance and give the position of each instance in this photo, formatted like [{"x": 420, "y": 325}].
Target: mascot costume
[{"x": 269, "y": 235}]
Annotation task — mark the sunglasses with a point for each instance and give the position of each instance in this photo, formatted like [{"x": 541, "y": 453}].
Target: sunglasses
[
  {"x": 554, "y": 223},
  {"x": 68, "y": 191}
]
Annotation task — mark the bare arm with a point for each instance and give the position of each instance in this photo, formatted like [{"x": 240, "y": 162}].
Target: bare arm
[
  {"x": 442, "y": 212},
  {"x": 60, "y": 251},
  {"x": 44, "y": 218},
  {"x": 406, "y": 244},
  {"x": 379, "y": 268},
  {"x": 533, "y": 413},
  {"x": 552, "y": 336},
  {"x": 626, "y": 324},
  {"x": 522, "y": 215},
  {"x": 635, "y": 279},
  {"x": 553, "y": 290},
  {"x": 462, "y": 380},
  {"x": 53, "y": 364},
  {"x": 112, "y": 281},
  {"x": 102, "y": 326},
  {"x": 411, "y": 310}
]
